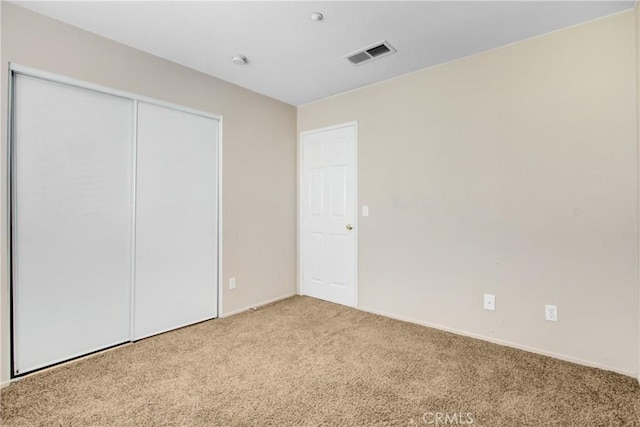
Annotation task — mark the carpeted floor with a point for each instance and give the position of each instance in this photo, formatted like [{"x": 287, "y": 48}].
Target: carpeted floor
[{"x": 304, "y": 362}]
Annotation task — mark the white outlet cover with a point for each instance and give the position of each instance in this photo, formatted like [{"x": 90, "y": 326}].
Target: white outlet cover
[
  {"x": 489, "y": 302},
  {"x": 551, "y": 312}
]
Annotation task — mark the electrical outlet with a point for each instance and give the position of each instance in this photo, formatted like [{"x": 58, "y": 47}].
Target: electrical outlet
[
  {"x": 232, "y": 283},
  {"x": 551, "y": 312},
  {"x": 489, "y": 302}
]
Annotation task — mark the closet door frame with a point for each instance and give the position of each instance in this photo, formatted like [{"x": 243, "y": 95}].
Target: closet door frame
[{"x": 9, "y": 228}]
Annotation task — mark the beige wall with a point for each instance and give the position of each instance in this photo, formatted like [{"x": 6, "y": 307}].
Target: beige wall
[
  {"x": 637, "y": 14},
  {"x": 512, "y": 172},
  {"x": 259, "y": 148}
]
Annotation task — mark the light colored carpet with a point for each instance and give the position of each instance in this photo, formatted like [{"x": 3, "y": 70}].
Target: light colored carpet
[{"x": 304, "y": 362}]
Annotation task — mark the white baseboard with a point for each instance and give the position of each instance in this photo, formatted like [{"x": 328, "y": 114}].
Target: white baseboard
[
  {"x": 506, "y": 343},
  {"x": 260, "y": 304},
  {"x": 3, "y": 384}
]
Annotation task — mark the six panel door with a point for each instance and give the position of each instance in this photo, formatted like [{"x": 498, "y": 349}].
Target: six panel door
[{"x": 327, "y": 215}]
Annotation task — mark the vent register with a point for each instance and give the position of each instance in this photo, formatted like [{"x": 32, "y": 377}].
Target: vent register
[{"x": 370, "y": 53}]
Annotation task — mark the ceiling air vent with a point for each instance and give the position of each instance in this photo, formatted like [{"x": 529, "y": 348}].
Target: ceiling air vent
[{"x": 374, "y": 51}]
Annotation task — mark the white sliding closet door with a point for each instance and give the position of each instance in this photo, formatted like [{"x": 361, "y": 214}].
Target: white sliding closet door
[
  {"x": 72, "y": 221},
  {"x": 176, "y": 220}
]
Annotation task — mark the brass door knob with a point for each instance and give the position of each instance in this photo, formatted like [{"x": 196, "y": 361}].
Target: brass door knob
[{"x": 349, "y": 226}]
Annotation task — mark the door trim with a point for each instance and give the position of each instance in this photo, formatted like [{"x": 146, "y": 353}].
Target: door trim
[{"x": 353, "y": 124}]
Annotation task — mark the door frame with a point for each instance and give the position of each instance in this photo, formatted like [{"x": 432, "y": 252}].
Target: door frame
[
  {"x": 356, "y": 224},
  {"x": 15, "y": 69}
]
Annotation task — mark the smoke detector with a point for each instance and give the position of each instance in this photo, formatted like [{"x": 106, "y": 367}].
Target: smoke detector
[
  {"x": 239, "y": 59},
  {"x": 371, "y": 52}
]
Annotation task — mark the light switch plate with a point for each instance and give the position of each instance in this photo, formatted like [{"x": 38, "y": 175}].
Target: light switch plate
[{"x": 365, "y": 210}]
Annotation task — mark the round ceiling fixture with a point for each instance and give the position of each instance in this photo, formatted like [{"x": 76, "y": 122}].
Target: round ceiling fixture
[
  {"x": 317, "y": 16},
  {"x": 239, "y": 59}
]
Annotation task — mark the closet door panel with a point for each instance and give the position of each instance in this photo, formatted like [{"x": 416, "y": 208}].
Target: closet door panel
[
  {"x": 176, "y": 220},
  {"x": 72, "y": 221}
]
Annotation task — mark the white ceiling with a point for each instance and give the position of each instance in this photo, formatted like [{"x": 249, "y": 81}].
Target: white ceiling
[{"x": 296, "y": 60}]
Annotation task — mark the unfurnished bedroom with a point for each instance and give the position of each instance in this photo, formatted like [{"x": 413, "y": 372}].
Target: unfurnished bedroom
[{"x": 336, "y": 213}]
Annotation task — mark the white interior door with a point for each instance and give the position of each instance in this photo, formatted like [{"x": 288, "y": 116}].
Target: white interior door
[
  {"x": 176, "y": 257},
  {"x": 328, "y": 214},
  {"x": 71, "y": 221}
]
